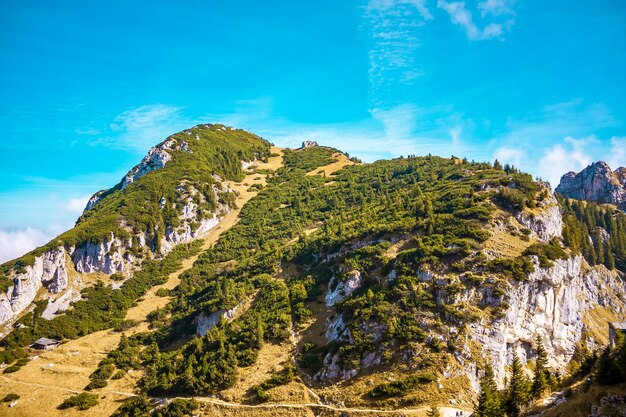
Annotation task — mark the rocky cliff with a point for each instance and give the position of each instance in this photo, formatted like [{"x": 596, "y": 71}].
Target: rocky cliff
[
  {"x": 597, "y": 182},
  {"x": 48, "y": 270},
  {"x": 551, "y": 303}
]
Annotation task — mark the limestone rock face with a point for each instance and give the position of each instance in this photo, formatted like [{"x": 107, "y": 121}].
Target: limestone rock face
[
  {"x": 112, "y": 255},
  {"x": 156, "y": 158},
  {"x": 309, "y": 144},
  {"x": 597, "y": 183},
  {"x": 48, "y": 270},
  {"x": 551, "y": 303},
  {"x": 343, "y": 289},
  {"x": 94, "y": 199},
  {"x": 206, "y": 322},
  {"x": 548, "y": 224},
  {"x": 106, "y": 256}
]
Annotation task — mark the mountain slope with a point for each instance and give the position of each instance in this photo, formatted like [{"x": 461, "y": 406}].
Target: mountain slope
[
  {"x": 381, "y": 285},
  {"x": 176, "y": 194}
]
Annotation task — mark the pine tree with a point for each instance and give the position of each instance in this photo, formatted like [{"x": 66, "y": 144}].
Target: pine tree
[
  {"x": 607, "y": 371},
  {"x": 620, "y": 355},
  {"x": 489, "y": 399},
  {"x": 541, "y": 378},
  {"x": 609, "y": 259},
  {"x": 517, "y": 393}
]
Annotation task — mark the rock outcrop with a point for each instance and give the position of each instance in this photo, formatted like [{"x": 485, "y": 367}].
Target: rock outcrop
[
  {"x": 309, "y": 144},
  {"x": 343, "y": 289},
  {"x": 156, "y": 158},
  {"x": 548, "y": 223},
  {"x": 205, "y": 322},
  {"x": 109, "y": 256},
  {"x": 551, "y": 303},
  {"x": 48, "y": 270},
  {"x": 596, "y": 183}
]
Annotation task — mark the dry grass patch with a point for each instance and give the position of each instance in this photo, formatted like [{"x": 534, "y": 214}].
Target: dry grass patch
[
  {"x": 597, "y": 321},
  {"x": 341, "y": 161},
  {"x": 269, "y": 357}
]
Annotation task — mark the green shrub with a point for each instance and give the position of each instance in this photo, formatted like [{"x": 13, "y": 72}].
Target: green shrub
[
  {"x": 10, "y": 397},
  {"x": 81, "y": 401},
  {"x": 12, "y": 368},
  {"x": 399, "y": 388},
  {"x": 546, "y": 252},
  {"x": 162, "y": 292}
]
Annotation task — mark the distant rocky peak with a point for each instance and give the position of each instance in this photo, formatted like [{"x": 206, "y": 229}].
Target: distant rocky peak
[
  {"x": 597, "y": 182},
  {"x": 309, "y": 144}
]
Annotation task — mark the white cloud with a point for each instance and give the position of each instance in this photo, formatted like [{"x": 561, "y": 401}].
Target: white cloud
[
  {"x": 87, "y": 131},
  {"x": 77, "y": 205},
  {"x": 618, "y": 152},
  {"x": 14, "y": 244},
  {"x": 513, "y": 156},
  {"x": 496, "y": 7},
  {"x": 461, "y": 16},
  {"x": 384, "y": 5},
  {"x": 144, "y": 126},
  {"x": 391, "y": 29},
  {"x": 570, "y": 155},
  {"x": 144, "y": 117}
]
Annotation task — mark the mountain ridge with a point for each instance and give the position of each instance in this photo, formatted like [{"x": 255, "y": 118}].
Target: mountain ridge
[{"x": 344, "y": 278}]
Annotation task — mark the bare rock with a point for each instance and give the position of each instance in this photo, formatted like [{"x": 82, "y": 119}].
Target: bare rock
[{"x": 596, "y": 183}]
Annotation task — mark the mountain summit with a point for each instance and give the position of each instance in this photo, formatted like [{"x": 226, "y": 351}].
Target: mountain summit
[{"x": 598, "y": 183}]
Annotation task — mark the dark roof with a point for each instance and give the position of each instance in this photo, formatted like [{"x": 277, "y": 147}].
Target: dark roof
[
  {"x": 620, "y": 325},
  {"x": 45, "y": 341}
]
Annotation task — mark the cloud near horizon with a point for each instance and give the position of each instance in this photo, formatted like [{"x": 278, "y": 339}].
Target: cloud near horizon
[{"x": 15, "y": 243}]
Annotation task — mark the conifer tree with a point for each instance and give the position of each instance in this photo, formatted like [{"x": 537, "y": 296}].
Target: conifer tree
[
  {"x": 489, "y": 399},
  {"x": 517, "y": 393},
  {"x": 607, "y": 372},
  {"x": 620, "y": 355},
  {"x": 541, "y": 378}
]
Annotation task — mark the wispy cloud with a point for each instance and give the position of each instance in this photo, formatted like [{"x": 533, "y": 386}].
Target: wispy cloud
[
  {"x": 144, "y": 126},
  {"x": 77, "y": 205},
  {"x": 617, "y": 157},
  {"x": 461, "y": 16},
  {"x": 510, "y": 155},
  {"x": 87, "y": 131},
  {"x": 570, "y": 155},
  {"x": 392, "y": 29},
  {"x": 497, "y": 7},
  {"x": 16, "y": 243}
]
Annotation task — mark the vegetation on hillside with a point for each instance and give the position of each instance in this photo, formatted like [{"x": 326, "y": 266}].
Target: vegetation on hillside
[
  {"x": 148, "y": 205},
  {"x": 398, "y": 223},
  {"x": 441, "y": 205},
  {"x": 599, "y": 233}
]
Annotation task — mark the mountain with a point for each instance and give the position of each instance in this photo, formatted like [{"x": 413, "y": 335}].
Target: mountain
[
  {"x": 224, "y": 268},
  {"x": 598, "y": 183}
]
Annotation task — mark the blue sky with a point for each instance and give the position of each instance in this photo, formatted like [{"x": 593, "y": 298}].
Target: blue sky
[{"x": 88, "y": 87}]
